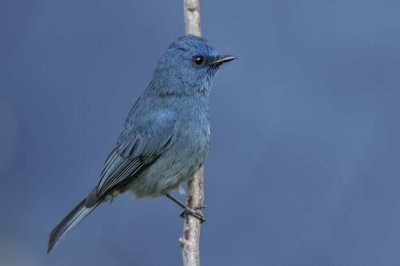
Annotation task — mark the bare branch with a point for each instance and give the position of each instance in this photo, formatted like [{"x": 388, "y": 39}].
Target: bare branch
[
  {"x": 192, "y": 17},
  {"x": 190, "y": 241}
]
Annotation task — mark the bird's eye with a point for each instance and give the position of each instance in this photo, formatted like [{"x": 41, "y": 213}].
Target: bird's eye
[{"x": 198, "y": 60}]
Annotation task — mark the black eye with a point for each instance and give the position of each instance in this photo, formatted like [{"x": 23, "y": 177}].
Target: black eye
[{"x": 198, "y": 60}]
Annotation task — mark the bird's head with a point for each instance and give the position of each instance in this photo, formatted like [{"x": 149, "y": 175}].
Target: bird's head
[{"x": 190, "y": 63}]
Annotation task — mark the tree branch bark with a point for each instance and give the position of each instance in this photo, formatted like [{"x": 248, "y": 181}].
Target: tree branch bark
[
  {"x": 190, "y": 241},
  {"x": 192, "y": 17}
]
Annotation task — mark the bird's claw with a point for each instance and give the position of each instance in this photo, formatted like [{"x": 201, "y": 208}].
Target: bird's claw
[{"x": 194, "y": 213}]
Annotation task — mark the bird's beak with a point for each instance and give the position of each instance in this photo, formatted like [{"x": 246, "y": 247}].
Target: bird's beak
[{"x": 223, "y": 59}]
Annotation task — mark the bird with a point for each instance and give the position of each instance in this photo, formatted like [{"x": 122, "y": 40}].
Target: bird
[{"x": 166, "y": 135}]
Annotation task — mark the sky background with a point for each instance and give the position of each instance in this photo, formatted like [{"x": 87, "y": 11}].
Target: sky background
[{"x": 304, "y": 163}]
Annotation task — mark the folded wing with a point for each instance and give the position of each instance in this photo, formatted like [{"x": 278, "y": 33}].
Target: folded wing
[{"x": 140, "y": 144}]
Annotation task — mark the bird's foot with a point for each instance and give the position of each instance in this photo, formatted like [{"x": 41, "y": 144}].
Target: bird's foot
[
  {"x": 193, "y": 212},
  {"x": 188, "y": 211}
]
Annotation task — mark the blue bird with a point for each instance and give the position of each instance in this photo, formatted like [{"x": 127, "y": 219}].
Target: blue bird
[{"x": 166, "y": 135}]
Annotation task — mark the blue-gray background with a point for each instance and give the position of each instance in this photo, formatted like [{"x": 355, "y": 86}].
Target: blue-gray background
[{"x": 304, "y": 164}]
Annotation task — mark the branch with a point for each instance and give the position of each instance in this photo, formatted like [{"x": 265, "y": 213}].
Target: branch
[
  {"x": 190, "y": 241},
  {"x": 191, "y": 11}
]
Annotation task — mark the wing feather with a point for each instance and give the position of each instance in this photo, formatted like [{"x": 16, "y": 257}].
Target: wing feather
[{"x": 136, "y": 149}]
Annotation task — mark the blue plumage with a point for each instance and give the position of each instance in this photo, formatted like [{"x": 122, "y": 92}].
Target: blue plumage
[{"x": 166, "y": 135}]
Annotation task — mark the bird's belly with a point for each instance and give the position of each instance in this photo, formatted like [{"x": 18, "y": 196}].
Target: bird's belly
[{"x": 175, "y": 166}]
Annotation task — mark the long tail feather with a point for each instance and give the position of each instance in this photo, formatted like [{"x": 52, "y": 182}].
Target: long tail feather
[{"x": 73, "y": 218}]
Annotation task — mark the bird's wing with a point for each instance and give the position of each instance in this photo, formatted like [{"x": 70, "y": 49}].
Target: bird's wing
[{"x": 137, "y": 148}]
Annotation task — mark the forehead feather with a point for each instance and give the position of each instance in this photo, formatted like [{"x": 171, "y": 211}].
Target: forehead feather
[{"x": 195, "y": 44}]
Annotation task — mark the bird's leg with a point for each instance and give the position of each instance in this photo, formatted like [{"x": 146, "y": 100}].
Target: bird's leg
[
  {"x": 180, "y": 203},
  {"x": 187, "y": 210}
]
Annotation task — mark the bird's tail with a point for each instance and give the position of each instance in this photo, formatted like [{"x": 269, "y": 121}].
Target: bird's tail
[{"x": 73, "y": 218}]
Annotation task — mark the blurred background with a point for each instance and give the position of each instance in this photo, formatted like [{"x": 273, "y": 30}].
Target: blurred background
[{"x": 304, "y": 163}]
